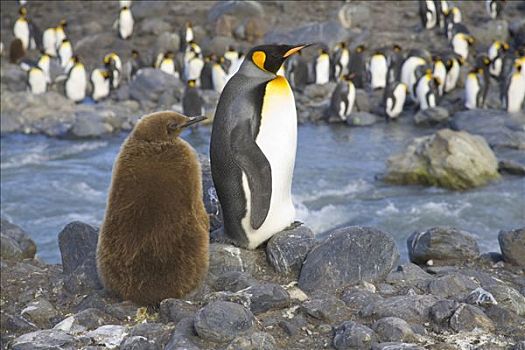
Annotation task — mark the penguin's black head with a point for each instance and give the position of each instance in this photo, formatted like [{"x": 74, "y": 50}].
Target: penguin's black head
[
  {"x": 188, "y": 24},
  {"x": 134, "y": 53},
  {"x": 124, "y": 8},
  {"x": 169, "y": 54},
  {"x": 22, "y": 11},
  {"x": 163, "y": 126},
  {"x": 342, "y": 44},
  {"x": 270, "y": 57},
  {"x": 360, "y": 48},
  {"x": 75, "y": 59},
  {"x": 191, "y": 83},
  {"x": 396, "y": 48},
  {"x": 63, "y": 23}
]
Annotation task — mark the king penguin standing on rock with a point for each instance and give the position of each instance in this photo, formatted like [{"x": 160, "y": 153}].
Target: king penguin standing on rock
[{"x": 253, "y": 144}]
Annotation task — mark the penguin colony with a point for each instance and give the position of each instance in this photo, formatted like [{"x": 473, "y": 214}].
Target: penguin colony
[{"x": 422, "y": 76}]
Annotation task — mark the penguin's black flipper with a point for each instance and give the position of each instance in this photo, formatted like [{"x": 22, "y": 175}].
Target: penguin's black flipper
[{"x": 249, "y": 157}]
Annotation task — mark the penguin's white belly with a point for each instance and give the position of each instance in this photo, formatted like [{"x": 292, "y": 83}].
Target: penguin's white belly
[
  {"x": 100, "y": 85},
  {"x": 441, "y": 72},
  {"x": 322, "y": 70},
  {"x": 37, "y": 82},
  {"x": 49, "y": 42},
  {"x": 219, "y": 78},
  {"x": 452, "y": 77},
  {"x": 421, "y": 92},
  {"x": 126, "y": 24},
  {"x": 516, "y": 93},
  {"x": 21, "y": 31},
  {"x": 189, "y": 35},
  {"x": 345, "y": 59},
  {"x": 277, "y": 139},
  {"x": 495, "y": 67},
  {"x": 400, "y": 95},
  {"x": 193, "y": 69},
  {"x": 76, "y": 84},
  {"x": 460, "y": 46},
  {"x": 44, "y": 65},
  {"x": 351, "y": 99},
  {"x": 471, "y": 92},
  {"x": 431, "y": 14},
  {"x": 65, "y": 55},
  {"x": 167, "y": 67},
  {"x": 408, "y": 72},
  {"x": 59, "y": 36},
  {"x": 378, "y": 70}
]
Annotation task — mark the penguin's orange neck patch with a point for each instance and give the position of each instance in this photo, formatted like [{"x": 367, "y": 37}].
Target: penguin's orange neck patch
[
  {"x": 259, "y": 57},
  {"x": 279, "y": 86}
]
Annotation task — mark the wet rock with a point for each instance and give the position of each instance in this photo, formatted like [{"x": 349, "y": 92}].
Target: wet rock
[
  {"x": 352, "y": 335},
  {"x": 450, "y": 159},
  {"x": 78, "y": 244},
  {"x": 480, "y": 296},
  {"x": 361, "y": 119},
  {"x": 266, "y": 296},
  {"x": 511, "y": 167},
  {"x": 43, "y": 340},
  {"x": 488, "y": 31},
  {"x": 411, "y": 308},
  {"x": 442, "y": 245},
  {"x": 233, "y": 281},
  {"x": 149, "y": 87},
  {"x": 329, "y": 309},
  {"x": 26, "y": 245},
  {"x": 351, "y": 15},
  {"x": 468, "y": 317},
  {"x": 254, "y": 341},
  {"x": 110, "y": 336},
  {"x": 329, "y": 33},
  {"x": 407, "y": 273},
  {"x": 237, "y": 9},
  {"x": 41, "y": 312},
  {"x": 442, "y": 311},
  {"x": 393, "y": 329},
  {"x": 500, "y": 129},
  {"x": 396, "y": 346},
  {"x": 347, "y": 256},
  {"x": 431, "y": 116},
  {"x": 512, "y": 244},
  {"x": 222, "y": 321},
  {"x": 287, "y": 250},
  {"x": 456, "y": 286},
  {"x": 174, "y": 310}
]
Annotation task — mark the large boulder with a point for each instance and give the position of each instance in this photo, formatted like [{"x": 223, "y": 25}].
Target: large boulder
[
  {"x": 16, "y": 242},
  {"x": 154, "y": 88},
  {"x": 512, "y": 244},
  {"x": 499, "y": 128},
  {"x": 411, "y": 308},
  {"x": 450, "y": 159},
  {"x": 352, "y": 335},
  {"x": 348, "y": 256},
  {"x": 442, "y": 245}
]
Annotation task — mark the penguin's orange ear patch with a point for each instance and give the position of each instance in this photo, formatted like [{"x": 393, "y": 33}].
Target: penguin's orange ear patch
[{"x": 259, "y": 57}]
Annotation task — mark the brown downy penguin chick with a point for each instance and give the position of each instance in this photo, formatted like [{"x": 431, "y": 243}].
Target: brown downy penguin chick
[
  {"x": 153, "y": 243},
  {"x": 16, "y": 51}
]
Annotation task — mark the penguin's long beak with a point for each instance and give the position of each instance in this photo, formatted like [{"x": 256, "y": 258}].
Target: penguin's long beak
[
  {"x": 295, "y": 50},
  {"x": 193, "y": 120}
]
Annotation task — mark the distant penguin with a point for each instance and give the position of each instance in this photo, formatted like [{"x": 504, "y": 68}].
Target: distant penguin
[
  {"x": 343, "y": 98},
  {"x": 415, "y": 58},
  {"x": 193, "y": 69},
  {"x": 125, "y": 23},
  {"x": 65, "y": 52},
  {"x": 206, "y": 72},
  {"x": 514, "y": 93},
  {"x": 357, "y": 66},
  {"x": 36, "y": 81},
  {"x": 377, "y": 70},
  {"x": 16, "y": 51},
  {"x": 496, "y": 52},
  {"x": 22, "y": 29},
  {"x": 100, "y": 81},
  {"x": 191, "y": 49},
  {"x": 253, "y": 145},
  {"x": 394, "y": 99},
  {"x": 113, "y": 63},
  {"x": 218, "y": 75},
  {"x": 441, "y": 8},
  {"x": 192, "y": 101},
  {"x": 395, "y": 61},
  {"x": 426, "y": 90},
  {"x": 44, "y": 62},
  {"x": 136, "y": 64},
  {"x": 167, "y": 64},
  {"x": 153, "y": 242},
  {"x": 428, "y": 13},
  {"x": 231, "y": 55},
  {"x": 453, "y": 63},
  {"x": 186, "y": 35},
  {"x": 298, "y": 72},
  {"x": 474, "y": 88},
  {"x": 494, "y": 8},
  {"x": 461, "y": 43},
  {"x": 340, "y": 60},
  {"x": 439, "y": 70},
  {"x": 452, "y": 17},
  {"x": 322, "y": 67},
  {"x": 76, "y": 82}
]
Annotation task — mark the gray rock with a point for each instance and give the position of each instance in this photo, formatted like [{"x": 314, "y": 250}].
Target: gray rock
[
  {"x": 480, "y": 296},
  {"x": 397, "y": 346},
  {"x": 15, "y": 324},
  {"x": 393, "y": 329},
  {"x": 411, "y": 308},
  {"x": 328, "y": 33},
  {"x": 237, "y": 9},
  {"x": 512, "y": 244},
  {"x": 254, "y": 341},
  {"x": 174, "y": 310},
  {"x": 468, "y": 317},
  {"x": 266, "y": 296},
  {"x": 431, "y": 116},
  {"x": 486, "y": 32},
  {"x": 450, "y": 159},
  {"x": 157, "y": 334},
  {"x": 351, "y": 15},
  {"x": 222, "y": 321},
  {"x": 442, "y": 311},
  {"x": 155, "y": 26},
  {"x": 78, "y": 245},
  {"x": 238, "y": 298},
  {"x": 500, "y": 129},
  {"x": 356, "y": 299},
  {"x": 455, "y": 286},
  {"x": 138, "y": 343},
  {"x": 151, "y": 84},
  {"x": 512, "y": 167},
  {"x": 329, "y": 309},
  {"x": 287, "y": 250},
  {"x": 361, "y": 119},
  {"x": 519, "y": 345},
  {"x": 181, "y": 337},
  {"x": 508, "y": 297},
  {"x": 85, "y": 320},
  {"x": 110, "y": 336},
  {"x": 442, "y": 245},
  {"x": 24, "y": 242},
  {"x": 41, "y": 312},
  {"x": 407, "y": 273},
  {"x": 362, "y": 101},
  {"x": 14, "y": 77},
  {"x": 122, "y": 311},
  {"x": 44, "y": 340},
  {"x": 90, "y": 124},
  {"x": 517, "y": 31},
  {"x": 352, "y": 335},
  {"x": 224, "y": 258},
  {"x": 233, "y": 281},
  {"x": 349, "y": 255},
  {"x": 10, "y": 248},
  {"x": 167, "y": 42},
  {"x": 211, "y": 201}
]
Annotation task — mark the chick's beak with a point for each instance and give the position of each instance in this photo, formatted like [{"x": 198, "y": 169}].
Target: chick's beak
[
  {"x": 294, "y": 50},
  {"x": 193, "y": 120}
]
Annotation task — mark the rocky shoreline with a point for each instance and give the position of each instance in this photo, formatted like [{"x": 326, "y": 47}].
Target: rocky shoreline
[{"x": 348, "y": 291}]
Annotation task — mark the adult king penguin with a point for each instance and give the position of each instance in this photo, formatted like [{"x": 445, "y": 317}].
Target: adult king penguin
[{"x": 253, "y": 146}]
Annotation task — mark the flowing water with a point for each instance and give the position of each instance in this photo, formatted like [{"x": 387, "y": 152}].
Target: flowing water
[{"x": 47, "y": 183}]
